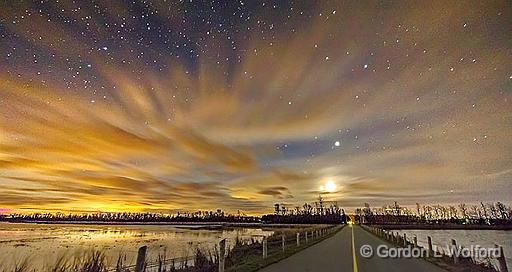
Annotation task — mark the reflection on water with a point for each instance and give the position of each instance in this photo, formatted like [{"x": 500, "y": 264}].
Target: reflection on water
[
  {"x": 46, "y": 242},
  {"x": 465, "y": 238}
]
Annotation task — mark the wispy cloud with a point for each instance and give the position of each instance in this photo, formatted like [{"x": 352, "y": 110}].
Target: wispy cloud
[{"x": 417, "y": 101}]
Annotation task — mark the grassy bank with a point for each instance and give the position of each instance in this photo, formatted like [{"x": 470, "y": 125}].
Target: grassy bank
[
  {"x": 440, "y": 259},
  {"x": 254, "y": 261},
  {"x": 441, "y": 227},
  {"x": 240, "y": 256}
]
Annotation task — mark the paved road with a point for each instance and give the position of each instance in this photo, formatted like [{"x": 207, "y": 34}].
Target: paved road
[{"x": 341, "y": 253}]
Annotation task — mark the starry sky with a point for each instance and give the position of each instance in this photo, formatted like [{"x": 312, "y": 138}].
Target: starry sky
[{"x": 185, "y": 105}]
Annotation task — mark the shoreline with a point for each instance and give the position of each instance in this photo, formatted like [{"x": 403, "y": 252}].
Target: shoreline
[
  {"x": 193, "y": 225},
  {"x": 440, "y": 227},
  {"x": 220, "y": 225}
]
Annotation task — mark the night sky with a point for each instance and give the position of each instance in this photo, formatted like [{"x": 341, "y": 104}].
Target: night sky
[{"x": 237, "y": 105}]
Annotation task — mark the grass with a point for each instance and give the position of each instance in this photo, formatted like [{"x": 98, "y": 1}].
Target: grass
[
  {"x": 93, "y": 261},
  {"x": 445, "y": 261}
]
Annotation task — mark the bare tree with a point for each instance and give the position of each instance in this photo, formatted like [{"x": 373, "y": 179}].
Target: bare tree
[
  {"x": 463, "y": 210},
  {"x": 418, "y": 209},
  {"x": 277, "y": 209},
  {"x": 476, "y": 211},
  {"x": 321, "y": 204},
  {"x": 502, "y": 210},
  {"x": 283, "y": 209},
  {"x": 453, "y": 213},
  {"x": 493, "y": 211}
]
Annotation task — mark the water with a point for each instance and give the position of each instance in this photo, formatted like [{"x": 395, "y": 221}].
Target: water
[
  {"x": 44, "y": 243},
  {"x": 465, "y": 238}
]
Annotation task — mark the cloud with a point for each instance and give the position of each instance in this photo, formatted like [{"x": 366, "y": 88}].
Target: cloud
[
  {"x": 278, "y": 192},
  {"x": 419, "y": 103}
]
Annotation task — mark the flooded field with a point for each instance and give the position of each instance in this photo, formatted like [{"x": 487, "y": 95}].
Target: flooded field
[
  {"x": 43, "y": 244},
  {"x": 465, "y": 238}
]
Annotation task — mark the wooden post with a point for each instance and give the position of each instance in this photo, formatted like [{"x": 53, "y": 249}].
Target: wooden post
[
  {"x": 306, "y": 235},
  {"x": 222, "y": 254},
  {"x": 265, "y": 247},
  {"x": 454, "y": 252},
  {"x": 502, "y": 263},
  {"x": 415, "y": 241},
  {"x": 429, "y": 242},
  {"x": 298, "y": 239},
  {"x": 141, "y": 259},
  {"x": 282, "y": 241},
  {"x": 405, "y": 240}
]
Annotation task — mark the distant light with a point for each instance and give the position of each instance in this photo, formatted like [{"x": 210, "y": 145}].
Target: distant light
[
  {"x": 337, "y": 143},
  {"x": 330, "y": 186},
  {"x": 365, "y": 66}
]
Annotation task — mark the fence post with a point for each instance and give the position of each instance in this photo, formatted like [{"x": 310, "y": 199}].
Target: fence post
[
  {"x": 415, "y": 241},
  {"x": 454, "y": 252},
  {"x": 222, "y": 253},
  {"x": 502, "y": 263},
  {"x": 405, "y": 240},
  {"x": 141, "y": 259},
  {"x": 265, "y": 247},
  {"x": 429, "y": 242},
  {"x": 282, "y": 241},
  {"x": 306, "y": 235},
  {"x": 298, "y": 239}
]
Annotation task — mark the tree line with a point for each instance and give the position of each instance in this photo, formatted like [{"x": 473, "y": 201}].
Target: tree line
[
  {"x": 199, "y": 216},
  {"x": 495, "y": 213},
  {"x": 319, "y": 212}
]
